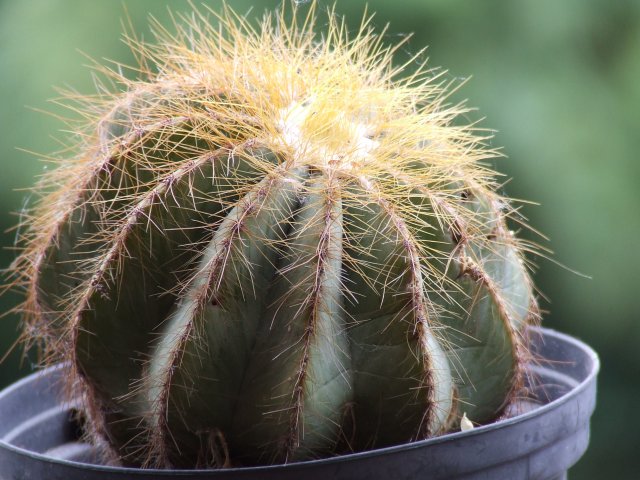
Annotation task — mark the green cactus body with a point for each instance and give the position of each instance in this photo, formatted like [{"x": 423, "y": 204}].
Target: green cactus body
[{"x": 271, "y": 250}]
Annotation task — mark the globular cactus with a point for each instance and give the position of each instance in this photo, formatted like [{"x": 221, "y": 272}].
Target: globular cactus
[{"x": 270, "y": 247}]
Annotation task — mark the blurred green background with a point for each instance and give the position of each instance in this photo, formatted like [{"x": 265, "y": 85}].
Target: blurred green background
[{"x": 558, "y": 80}]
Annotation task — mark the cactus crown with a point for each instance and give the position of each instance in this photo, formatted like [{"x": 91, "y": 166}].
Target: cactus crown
[{"x": 271, "y": 247}]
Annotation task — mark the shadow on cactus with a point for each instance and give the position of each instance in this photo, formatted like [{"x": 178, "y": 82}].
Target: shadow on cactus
[{"x": 271, "y": 246}]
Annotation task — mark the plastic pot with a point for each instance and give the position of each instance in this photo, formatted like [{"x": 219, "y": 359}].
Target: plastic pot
[{"x": 546, "y": 437}]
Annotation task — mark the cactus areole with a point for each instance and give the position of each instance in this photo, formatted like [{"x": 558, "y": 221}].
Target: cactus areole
[{"x": 271, "y": 246}]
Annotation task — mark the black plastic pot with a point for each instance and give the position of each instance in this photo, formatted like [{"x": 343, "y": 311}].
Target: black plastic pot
[{"x": 39, "y": 441}]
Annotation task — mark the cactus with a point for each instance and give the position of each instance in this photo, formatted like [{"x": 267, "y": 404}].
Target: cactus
[{"x": 272, "y": 247}]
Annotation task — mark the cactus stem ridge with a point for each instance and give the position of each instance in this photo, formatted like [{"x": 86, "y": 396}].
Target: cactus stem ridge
[
  {"x": 109, "y": 258},
  {"x": 435, "y": 370},
  {"x": 105, "y": 266},
  {"x": 203, "y": 286},
  {"x": 329, "y": 246}
]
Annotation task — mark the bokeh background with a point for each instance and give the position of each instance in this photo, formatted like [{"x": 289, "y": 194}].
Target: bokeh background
[{"x": 559, "y": 81}]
